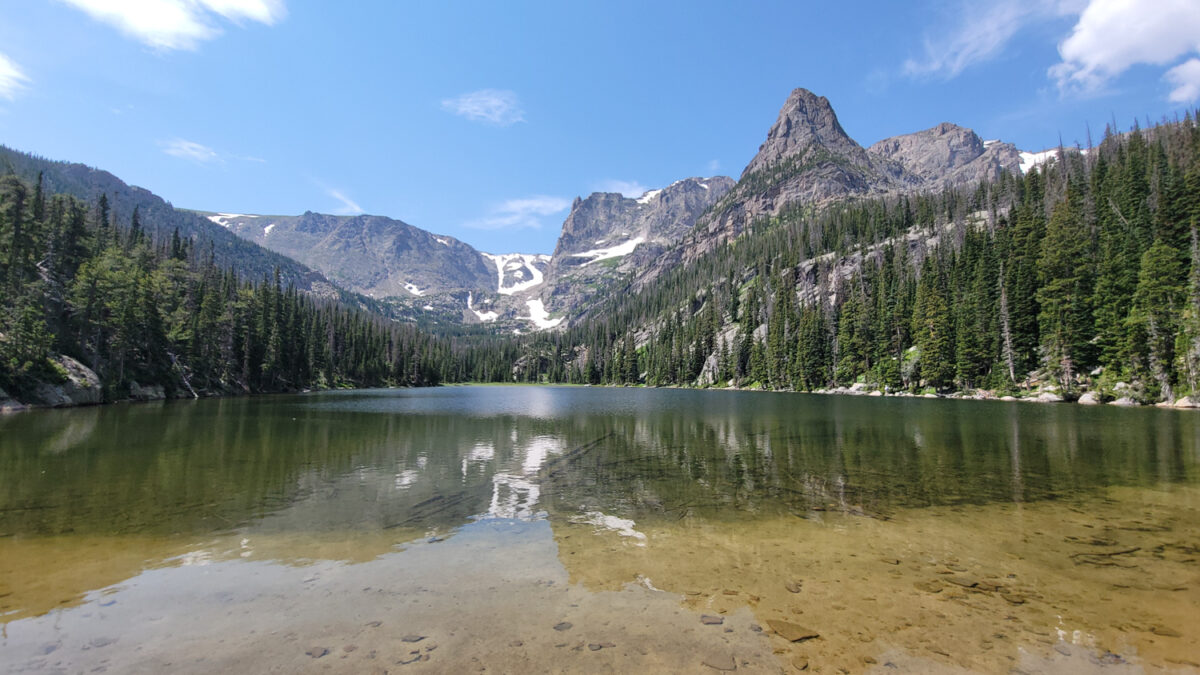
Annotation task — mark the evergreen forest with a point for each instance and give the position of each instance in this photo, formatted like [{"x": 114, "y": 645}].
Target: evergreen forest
[{"x": 1081, "y": 275}]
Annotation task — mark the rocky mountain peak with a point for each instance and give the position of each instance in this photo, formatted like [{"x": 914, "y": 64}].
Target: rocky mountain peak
[
  {"x": 946, "y": 154},
  {"x": 806, "y": 120}
]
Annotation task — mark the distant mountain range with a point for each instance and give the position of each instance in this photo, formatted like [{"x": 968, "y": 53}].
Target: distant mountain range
[{"x": 607, "y": 241}]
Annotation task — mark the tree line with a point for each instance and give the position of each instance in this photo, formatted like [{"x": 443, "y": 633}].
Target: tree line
[
  {"x": 136, "y": 310},
  {"x": 1081, "y": 274}
]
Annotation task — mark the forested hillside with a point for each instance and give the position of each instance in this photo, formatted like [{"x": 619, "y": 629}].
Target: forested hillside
[
  {"x": 1081, "y": 275},
  {"x": 141, "y": 313},
  {"x": 160, "y": 219}
]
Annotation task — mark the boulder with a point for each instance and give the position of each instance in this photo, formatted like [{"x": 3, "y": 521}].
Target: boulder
[
  {"x": 1124, "y": 402},
  {"x": 81, "y": 388},
  {"x": 8, "y": 404},
  {"x": 153, "y": 392},
  {"x": 1090, "y": 398},
  {"x": 1188, "y": 402}
]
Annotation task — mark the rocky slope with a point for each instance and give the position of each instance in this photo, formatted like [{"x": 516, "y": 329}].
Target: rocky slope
[
  {"x": 373, "y": 255},
  {"x": 608, "y": 236},
  {"x": 947, "y": 155},
  {"x": 161, "y": 220},
  {"x": 808, "y": 161}
]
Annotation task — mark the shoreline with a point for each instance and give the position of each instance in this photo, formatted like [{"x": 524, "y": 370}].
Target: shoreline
[{"x": 9, "y": 405}]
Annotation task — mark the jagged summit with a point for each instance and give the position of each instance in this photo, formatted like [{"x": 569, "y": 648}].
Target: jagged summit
[{"x": 805, "y": 121}]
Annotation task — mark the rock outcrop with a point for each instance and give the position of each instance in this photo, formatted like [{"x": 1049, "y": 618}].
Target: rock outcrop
[
  {"x": 607, "y": 236},
  {"x": 947, "y": 155}
]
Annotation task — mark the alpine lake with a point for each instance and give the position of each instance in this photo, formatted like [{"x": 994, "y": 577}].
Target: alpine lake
[{"x": 525, "y": 529}]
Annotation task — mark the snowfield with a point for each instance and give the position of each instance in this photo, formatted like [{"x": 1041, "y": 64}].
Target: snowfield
[
  {"x": 610, "y": 252},
  {"x": 1032, "y": 159},
  {"x": 485, "y": 317},
  {"x": 521, "y": 264},
  {"x": 540, "y": 317},
  {"x": 223, "y": 219},
  {"x": 650, "y": 194}
]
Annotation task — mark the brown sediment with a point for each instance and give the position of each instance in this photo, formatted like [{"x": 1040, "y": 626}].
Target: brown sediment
[{"x": 986, "y": 588}]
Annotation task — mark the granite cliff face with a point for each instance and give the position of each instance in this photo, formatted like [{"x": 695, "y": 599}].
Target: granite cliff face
[
  {"x": 947, "y": 155},
  {"x": 808, "y": 161},
  {"x": 607, "y": 236}
]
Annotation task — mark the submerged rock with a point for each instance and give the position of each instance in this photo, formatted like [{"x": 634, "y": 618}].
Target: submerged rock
[
  {"x": 792, "y": 632},
  {"x": 710, "y": 620},
  {"x": 722, "y": 663}
]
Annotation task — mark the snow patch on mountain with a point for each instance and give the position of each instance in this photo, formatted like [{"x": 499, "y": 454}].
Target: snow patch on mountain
[
  {"x": 483, "y": 316},
  {"x": 443, "y": 242},
  {"x": 650, "y": 194},
  {"x": 540, "y": 317},
  {"x": 412, "y": 288},
  {"x": 520, "y": 266},
  {"x": 267, "y": 229},
  {"x": 1032, "y": 159},
  {"x": 223, "y": 219},
  {"x": 610, "y": 252}
]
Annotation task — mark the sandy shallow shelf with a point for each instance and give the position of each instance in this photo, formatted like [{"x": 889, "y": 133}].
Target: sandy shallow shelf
[{"x": 1111, "y": 582}]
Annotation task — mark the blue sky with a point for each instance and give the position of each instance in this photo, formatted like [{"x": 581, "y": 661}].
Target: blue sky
[{"x": 483, "y": 120}]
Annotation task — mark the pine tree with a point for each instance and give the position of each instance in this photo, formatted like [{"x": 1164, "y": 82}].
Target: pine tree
[
  {"x": 1156, "y": 311},
  {"x": 1065, "y": 295}
]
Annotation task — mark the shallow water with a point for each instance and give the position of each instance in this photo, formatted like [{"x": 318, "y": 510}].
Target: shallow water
[{"x": 585, "y": 529}]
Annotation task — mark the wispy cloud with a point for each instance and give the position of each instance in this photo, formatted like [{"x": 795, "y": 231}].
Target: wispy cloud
[
  {"x": 179, "y": 24},
  {"x": 979, "y": 33},
  {"x": 490, "y": 106},
  {"x": 522, "y": 213},
  {"x": 12, "y": 79},
  {"x": 190, "y": 150},
  {"x": 349, "y": 207},
  {"x": 200, "y": 153},
  {"x": 1113, "y": 35},
  {"x": 713, "y": 166},
  {"x": 1185, "y": 78},
  {"x": 1109, "y": 37},
  {"x": 629, "y": 188}
]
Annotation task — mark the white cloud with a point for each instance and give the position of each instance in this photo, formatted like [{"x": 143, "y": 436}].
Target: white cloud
[
  {"x": 492, "y": 106},
  {"x": 12, "y": 79},
  {"x": 521, "y": 213},
  {"x": 178, "y": 24},
  {"x": 1113, "y": 35},
  {"x": 713, "y": 166},
  {"x": 1185, "y": 78},
  {"x": 629, "y": 188},
  {"x": 349, "y": 207},
  {"x": 979, "y": 34},
  {"x": 184, "y": 149}
]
